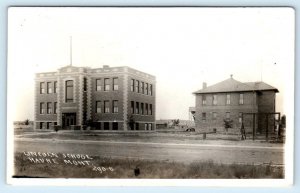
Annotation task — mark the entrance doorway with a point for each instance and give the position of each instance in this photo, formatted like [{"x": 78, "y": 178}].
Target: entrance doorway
[{"x": 68, "y": 119}]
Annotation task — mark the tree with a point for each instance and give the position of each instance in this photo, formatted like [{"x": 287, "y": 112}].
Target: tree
[
  {"x": 283, "y": 121},
  {"x": 26, "y": 122},
  {"x": 227, "y": 124},
  {"x": 131, "y": 122},
  {"x": 175, "y": 122}
]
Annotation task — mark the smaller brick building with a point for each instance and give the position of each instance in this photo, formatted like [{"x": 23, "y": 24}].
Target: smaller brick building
[
  {"x": 229, "y": 99},
  {"x": 109, "y": 98}
]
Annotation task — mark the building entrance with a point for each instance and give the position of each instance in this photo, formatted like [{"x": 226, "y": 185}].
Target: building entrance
[{"x": 68, "y": 119}]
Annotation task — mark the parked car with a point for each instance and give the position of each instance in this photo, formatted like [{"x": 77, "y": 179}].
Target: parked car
[{"x": 190, "y": 129}]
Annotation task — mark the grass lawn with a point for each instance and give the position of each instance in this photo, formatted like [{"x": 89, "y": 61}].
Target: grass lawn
[{"x": 103, "y": 167}]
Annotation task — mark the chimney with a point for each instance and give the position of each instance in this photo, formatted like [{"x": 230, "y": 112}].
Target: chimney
[
  {"x": 105, "y": 66},
  {"x": 231, "y": 75},
  {"x": 204, "y": 85}
]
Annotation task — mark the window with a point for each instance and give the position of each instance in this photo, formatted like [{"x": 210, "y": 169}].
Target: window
[
  {"x": 203, "y": 116},
  {"x": 137, "y": 126},
  {"x": 146, "y": 126},
  {"x": 150, "y": 89},
  {"x": 240, "y": 117},
  {"x": 115, "y": 126},
  {"x": 227, "y": 99},
  {"x": 146, "y": 88},
  {"x": 69, "y": 91},
  {"x": 106, "y": 84},
  {"x": 132, "y": 107},
  {"x": 55, "y": 86},
  {"x": 42, "y": 125},
  {"x": 214, "y": 115},
  {"x": 150, "y": 109},
  {"x": 106, "y": 106},
  {"x": 150, "y": 126},
  {"x": 115, "y": 84},
  {"x": 227, "y": 115},
  {"x": 48, "y": 125},
  {"x": 241, "y": 101},
  {"x": 137, "y": 86},
  {"x": 115, "y": 106},
  {"x": 98, "y": 84},
  {"x": 106, "y": 125},
  {"x": 142, "y": 108},
  {"x": 98, "y": 106},
  {"x": 146, "y": 110},
  {"x": 49, "y": 87},
  {"x": 49, "y": 108},
  {"x": 142, "y": 88},
  {"x": 55, "y": 107},
  {"x": 137, "y": 107},
  {"x": 215, "y": 102},
  {"x": 132, "y": 85},
  {"x": 42, "y": 88},
  {"x": 84, "y": 84},
  {"x": 42, "y": 108},
  {"x": 203, "y": 99}
]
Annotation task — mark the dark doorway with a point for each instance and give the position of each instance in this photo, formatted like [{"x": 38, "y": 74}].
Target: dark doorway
[
  {"x": 68, "y": 119},
  {"x": 106, "y": 125},
  {"x": 115, "y": 126},
  {"x": 137, "y": 126}
]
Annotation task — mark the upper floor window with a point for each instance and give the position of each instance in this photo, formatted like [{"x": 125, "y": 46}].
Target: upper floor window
[
  {"x": 137, "y": 86},
  {"x": 227, "y": 115},
  {"x": 240, "y": 117},
  {"x": 98, "y": 84},
  {"x": 42, "y": 88},
  {"x": 49, "y": 108},
  {"x": 146, "y": 108},
  {"x": 132, "y": 107},
  {"x": 203, "y": 99},
  {"x": 115, "y": 84},
  {"x": 227, "y": 99},
  {"x": 241, "y": 99},
  {"x": 98, "y": 106},
  {"x": 106, "y": 84},
  {"x": 203, "y": 116},
  {"x": 115, "y": 106},
  {"x": 69, "y": 91},
  {"x": 215, "y": 101},
  {"x": 142, "y": 87},
  {"x": 55, "y": 86},
  {"x": 150, "y": 89},
  {"x": 55, "y": 107},
  {"x": 132, "y": 85},
  {"x": 142, "y": 108},
  {"x": 150, "y": 109},
  {"x": 146, "y": 89},
  {"x": 49, "y": 87},
  {"x": 106, "y": 106},
  {"x": 42, "y": 108},
  {"x": 214, "y": 115},
  {"x": 137, "y": 108}
]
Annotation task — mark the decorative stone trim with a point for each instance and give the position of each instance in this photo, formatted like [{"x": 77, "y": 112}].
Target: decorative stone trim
[
  {"x": 89, "y": 98},
  {"x": 80, "y": 116},
  {"x": 125, "y": 101},
  {"x": 59, "y": 100}
]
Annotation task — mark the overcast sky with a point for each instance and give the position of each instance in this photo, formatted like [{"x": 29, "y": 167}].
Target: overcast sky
[{"x": 182, "y": 47}]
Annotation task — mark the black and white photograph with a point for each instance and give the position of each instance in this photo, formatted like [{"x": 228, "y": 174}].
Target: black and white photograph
[{"x": 156, "y": 95}]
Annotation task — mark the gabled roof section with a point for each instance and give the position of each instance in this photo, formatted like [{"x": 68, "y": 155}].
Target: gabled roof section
[{"x": 232, "y": 85}]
